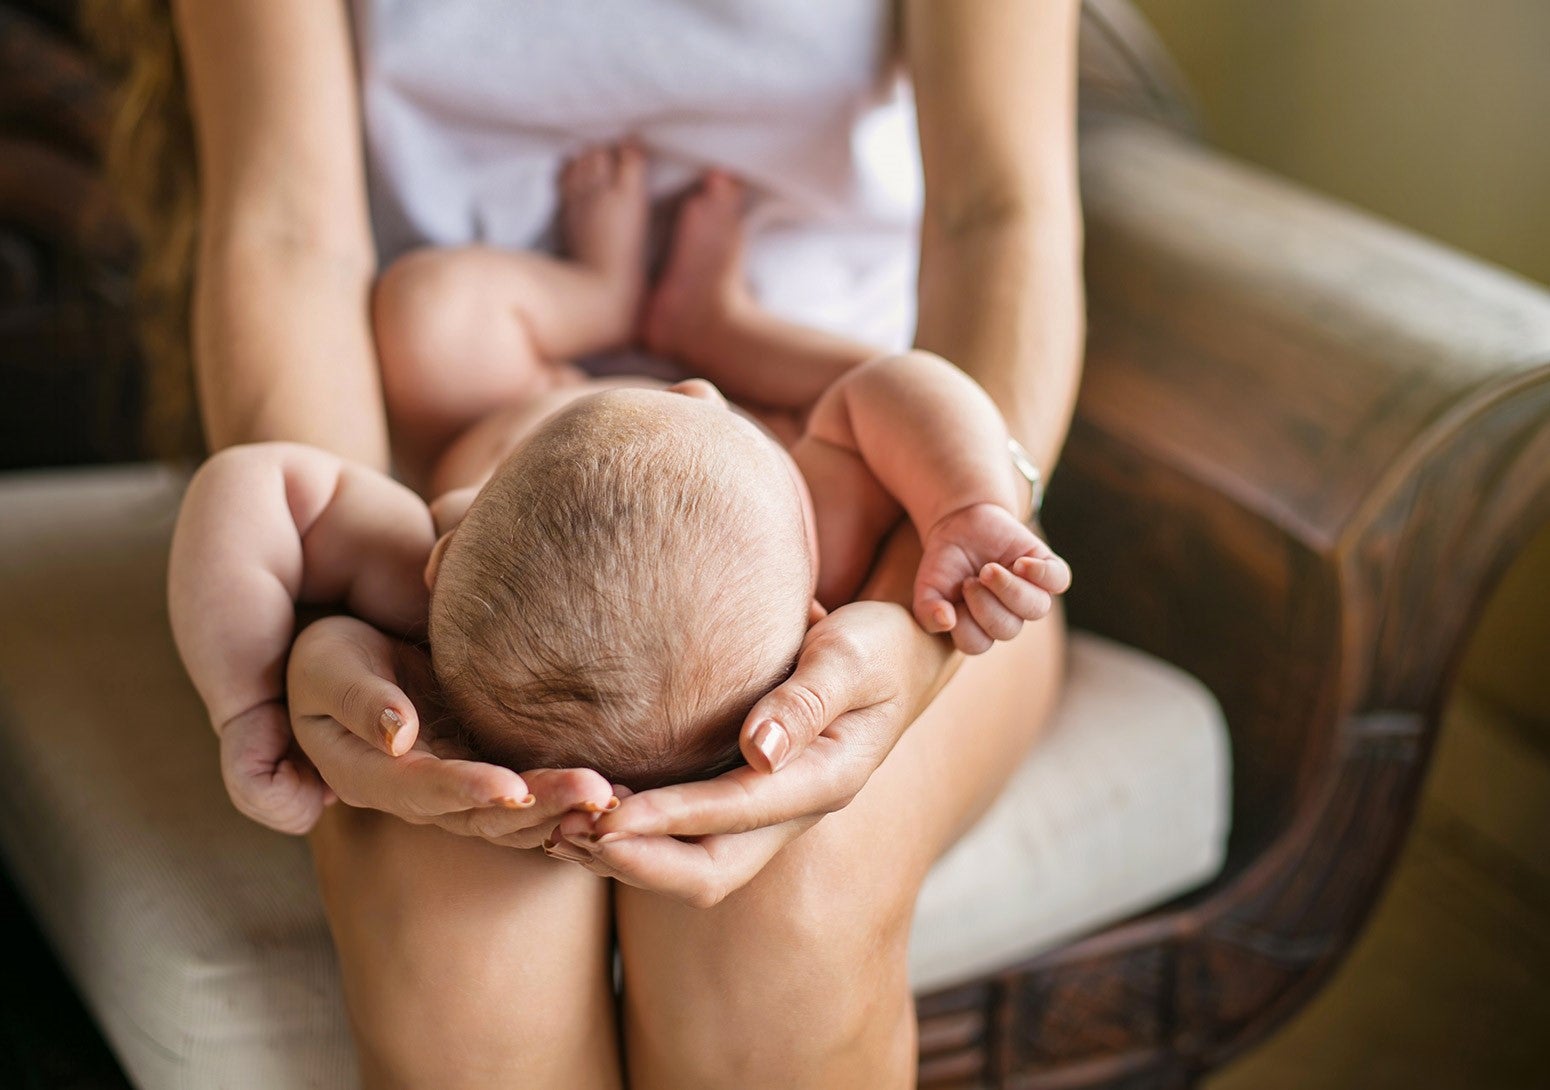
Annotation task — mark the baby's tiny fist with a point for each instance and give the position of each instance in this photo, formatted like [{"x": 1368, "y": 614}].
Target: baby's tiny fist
[{"x": 940, "y": 617}]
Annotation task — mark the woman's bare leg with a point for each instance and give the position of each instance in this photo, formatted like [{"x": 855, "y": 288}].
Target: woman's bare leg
[
  {"x": 465, "y": 964},
  {"x": 462, "y": 331},
  {"x": 799, "y": 979}
]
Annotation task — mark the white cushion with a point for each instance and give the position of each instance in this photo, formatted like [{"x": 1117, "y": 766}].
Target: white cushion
[{"x": 197, "y": 938}]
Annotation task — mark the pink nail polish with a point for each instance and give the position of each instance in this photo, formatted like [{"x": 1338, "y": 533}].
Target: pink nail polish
[
  {"x": 771, "y": 739},
  {"x": 613, "y": 838}
]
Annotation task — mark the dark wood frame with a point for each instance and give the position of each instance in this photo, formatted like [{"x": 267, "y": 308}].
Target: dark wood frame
[{"x": 1307, "y": 446}]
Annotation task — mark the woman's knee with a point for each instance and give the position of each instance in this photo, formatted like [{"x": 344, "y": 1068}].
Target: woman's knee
[
  {"x": 456, "y": 948},
  {"x": 796, "y": 979}
]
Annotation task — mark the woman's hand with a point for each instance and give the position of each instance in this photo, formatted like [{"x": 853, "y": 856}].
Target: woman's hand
[
  {"x": 865, "y": 672},
  {"x": 353, "y": 718}
]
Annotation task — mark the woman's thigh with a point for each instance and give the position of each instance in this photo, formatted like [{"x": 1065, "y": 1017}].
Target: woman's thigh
[
  {"x": 467, "y": 964},
  {"x": 800, "y": 979}
]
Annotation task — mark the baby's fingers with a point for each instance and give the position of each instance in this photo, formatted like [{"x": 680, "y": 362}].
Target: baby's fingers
[
  {"x": 1019, "y": 596},
  {"x": 968, "y": 636},
  {"x": 933, "y": 612},
  {"x": 267, "y": 780},
  {"x": 1046, "y": 570},
  {"x": 998, "y": 622}
]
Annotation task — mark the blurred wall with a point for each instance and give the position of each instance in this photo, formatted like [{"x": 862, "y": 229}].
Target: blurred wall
[{"x": 1434, "y": 113}]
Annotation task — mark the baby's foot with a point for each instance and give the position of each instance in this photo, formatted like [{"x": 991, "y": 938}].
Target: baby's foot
[
  {"x": 603, "y": 199},
  {"x": 702, "y": 284}
]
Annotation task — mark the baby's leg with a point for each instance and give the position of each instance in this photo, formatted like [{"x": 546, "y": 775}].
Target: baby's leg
[
  {"x": 461, "y": 332},
  {"x": 702, "y": 313}
]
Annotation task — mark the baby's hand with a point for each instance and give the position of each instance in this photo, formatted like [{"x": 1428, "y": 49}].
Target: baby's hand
[{"x": 984, "y": 573}]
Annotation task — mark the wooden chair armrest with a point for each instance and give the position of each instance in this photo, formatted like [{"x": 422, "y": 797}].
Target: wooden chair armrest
[{"x": 1307, "y": 445}]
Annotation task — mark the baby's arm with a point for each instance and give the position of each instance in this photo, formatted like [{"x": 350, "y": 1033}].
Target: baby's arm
[
  {"x": 266, "y": 526},
  {"x": 932, "y": 439}
]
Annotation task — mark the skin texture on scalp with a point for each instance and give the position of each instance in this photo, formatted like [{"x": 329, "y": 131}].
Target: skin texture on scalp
[{"x": 622, "y": 591}]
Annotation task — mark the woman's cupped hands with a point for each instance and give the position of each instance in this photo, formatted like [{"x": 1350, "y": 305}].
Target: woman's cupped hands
[
  {"x": 864, "y": 673},
  {"x": 354, "y": 696}
]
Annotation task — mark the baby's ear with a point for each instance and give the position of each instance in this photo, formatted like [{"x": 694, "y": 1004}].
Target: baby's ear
[
  {"x": 448, "y": 509},
  {"x": 433, "y": 565},
  {"x": 815, "y": 611}
]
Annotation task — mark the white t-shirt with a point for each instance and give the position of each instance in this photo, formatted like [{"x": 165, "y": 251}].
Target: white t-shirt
[{"x": 472, "y": 106}]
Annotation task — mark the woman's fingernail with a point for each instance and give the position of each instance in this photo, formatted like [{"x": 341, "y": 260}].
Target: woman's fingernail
[
  {"x": 567, "y": 852},
  {"x": 391, "y": 723},
  {"x": 511, "y": 802},
  {"x": 613, "y": 838},
  {"x": 613, "y": 803},
  {"x": 771, "y": 739}
]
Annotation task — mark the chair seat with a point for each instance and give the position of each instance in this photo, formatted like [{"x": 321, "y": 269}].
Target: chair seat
[{"x": 197, "y": 938}]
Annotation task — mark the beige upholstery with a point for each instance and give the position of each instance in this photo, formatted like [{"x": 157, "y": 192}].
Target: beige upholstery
[{"x": 197, "y": 938}]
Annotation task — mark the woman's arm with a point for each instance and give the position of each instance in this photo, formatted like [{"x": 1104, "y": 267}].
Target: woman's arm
[
  {"x": 1000, "y": 275},
  {"x": 282, "y": 342},
  {"x": 284, "y": 351},
  {"x": 264, "y": 526}
]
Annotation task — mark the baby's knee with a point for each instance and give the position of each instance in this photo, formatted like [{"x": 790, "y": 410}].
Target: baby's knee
[{"x": 421, "y": 308}]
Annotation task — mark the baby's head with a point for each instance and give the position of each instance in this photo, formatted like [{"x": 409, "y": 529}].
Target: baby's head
[{"x": 632, "y": 579}]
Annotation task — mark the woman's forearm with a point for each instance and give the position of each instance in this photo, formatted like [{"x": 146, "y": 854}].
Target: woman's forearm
[
  {"x": 930, "y": 660},
  {"x": 1001, "y": 296},
  {"x": 283, "y": 347},
  {"x": 1000, "y": 264}
]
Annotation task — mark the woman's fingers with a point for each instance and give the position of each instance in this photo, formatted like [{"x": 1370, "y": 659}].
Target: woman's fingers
[
  {"x": 823, "y": 779},
  {"x": 267, "y": 780},
  {"x": 417, "y": 786},
  {"x": 562, "y": 789},
  {"x": 346, "y": 669},
  {"x": 555, "y": 793},
  {"x": 835, "y": 673},
  {"x": 701, "y": 873}
]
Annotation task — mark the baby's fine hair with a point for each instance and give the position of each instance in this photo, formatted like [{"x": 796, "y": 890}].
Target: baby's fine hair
[{"x": 618, "y": 597}]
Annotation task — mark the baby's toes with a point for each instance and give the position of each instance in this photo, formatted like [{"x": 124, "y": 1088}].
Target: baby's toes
[
  {"x": 1049, "y": 572},
  {"x": 998, "y": 622},
  {"x": 1023, "y": 598},
  {"x": 588, "y": 171},
  {"x": 629, "y": 166}
]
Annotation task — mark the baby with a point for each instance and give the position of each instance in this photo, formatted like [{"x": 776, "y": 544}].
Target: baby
[{"x": 623, "y": 567}]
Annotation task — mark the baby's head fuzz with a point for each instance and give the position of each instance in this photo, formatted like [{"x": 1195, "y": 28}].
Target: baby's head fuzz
[{"x": 623, "y": 590}]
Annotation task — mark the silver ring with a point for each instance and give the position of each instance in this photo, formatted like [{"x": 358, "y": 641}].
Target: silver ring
[{"x": 1030, "y": 473}]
